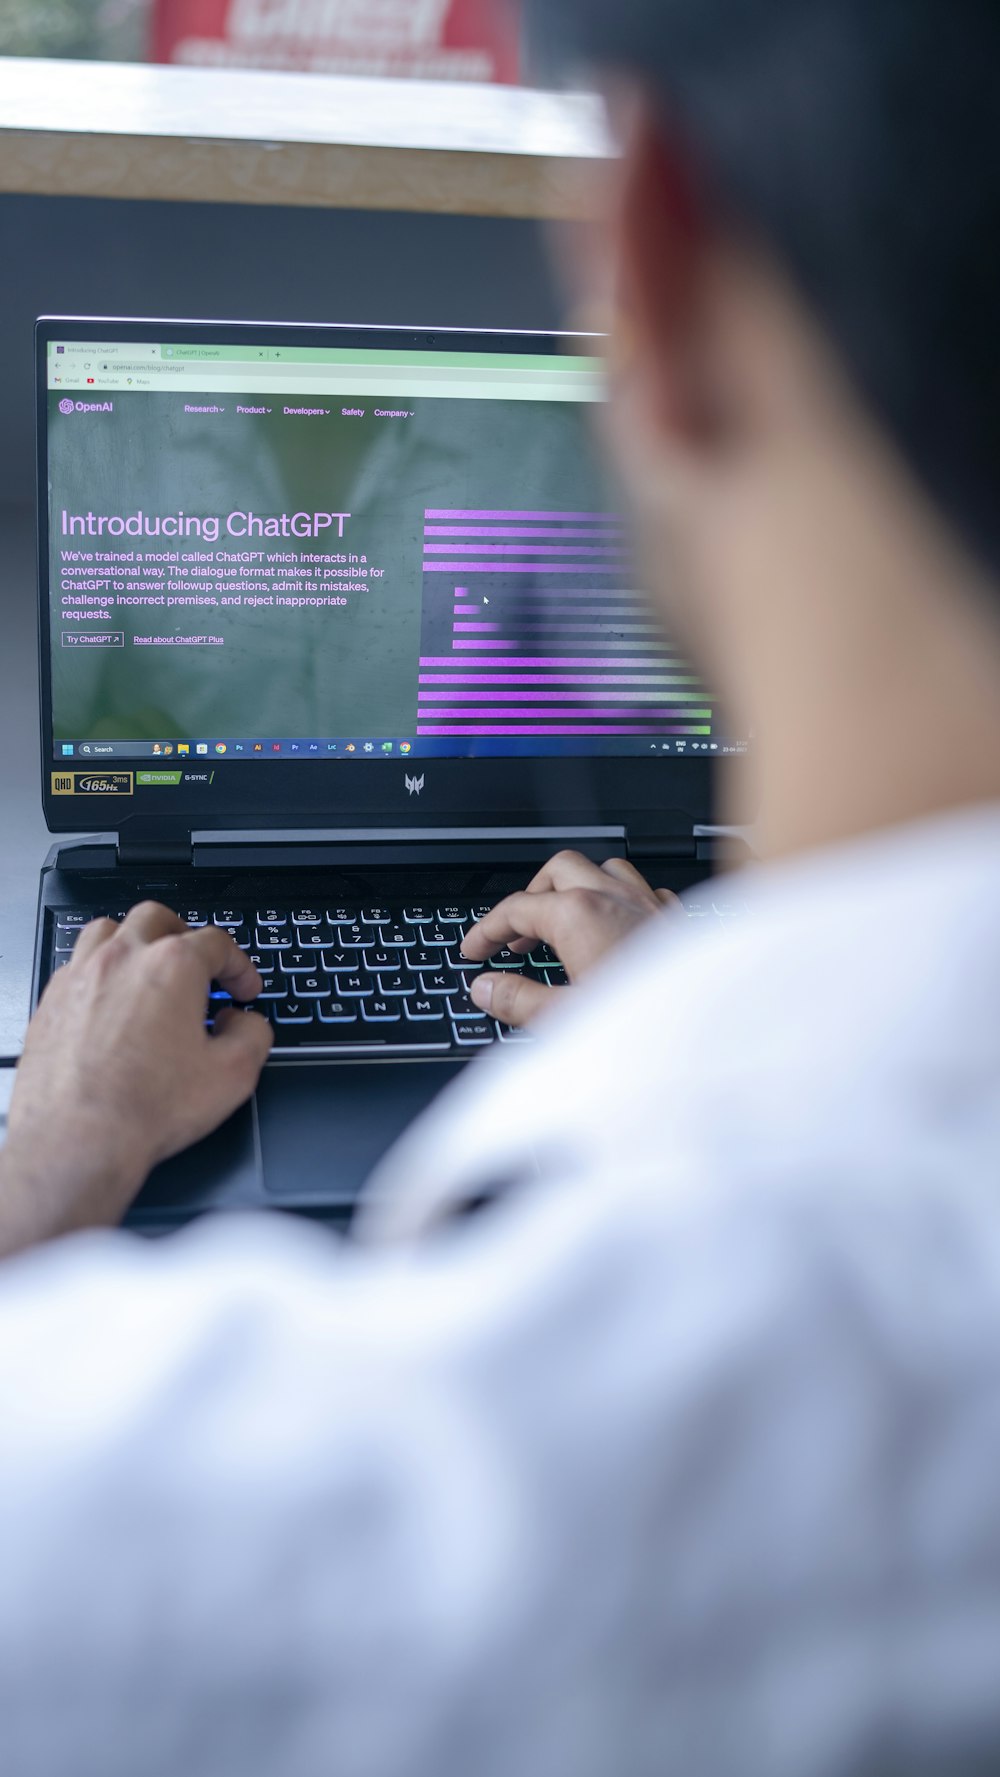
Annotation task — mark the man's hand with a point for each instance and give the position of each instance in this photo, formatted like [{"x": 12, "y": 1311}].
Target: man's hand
[
  {"x": 578, "y": 908},
  {"x": 119, "y": 1072}
]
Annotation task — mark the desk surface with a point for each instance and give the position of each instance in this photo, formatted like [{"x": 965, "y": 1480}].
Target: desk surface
[{"x": 97, "y": 129}]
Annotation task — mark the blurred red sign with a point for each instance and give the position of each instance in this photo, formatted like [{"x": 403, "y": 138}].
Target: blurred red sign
[{"x": 431, "y": 39}]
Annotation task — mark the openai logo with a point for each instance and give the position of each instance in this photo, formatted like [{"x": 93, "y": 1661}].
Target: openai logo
[{"x": 65, "y": 405}]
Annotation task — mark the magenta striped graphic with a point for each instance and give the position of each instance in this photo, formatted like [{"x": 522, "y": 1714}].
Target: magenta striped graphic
[{"x": 532, "y": 644}]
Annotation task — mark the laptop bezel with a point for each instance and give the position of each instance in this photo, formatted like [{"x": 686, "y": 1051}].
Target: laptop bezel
[{"x": 319, "y": 794}]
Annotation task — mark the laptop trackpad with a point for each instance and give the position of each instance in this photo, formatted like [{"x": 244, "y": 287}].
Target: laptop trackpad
[{"x": 322, "y": 1129}]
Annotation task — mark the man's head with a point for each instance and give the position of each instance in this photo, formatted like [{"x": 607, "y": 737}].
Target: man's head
[{"x": 800, "y": 265}]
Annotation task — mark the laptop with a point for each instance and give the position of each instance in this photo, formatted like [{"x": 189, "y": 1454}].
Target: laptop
[{"x": 340, "y": 640}]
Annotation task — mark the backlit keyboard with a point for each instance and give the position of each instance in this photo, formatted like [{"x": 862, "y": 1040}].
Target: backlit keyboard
[{"x": 368, "y": 978}]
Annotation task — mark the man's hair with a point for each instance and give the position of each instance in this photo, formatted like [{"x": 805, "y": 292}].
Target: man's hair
[{"x": 860, "y": 140}]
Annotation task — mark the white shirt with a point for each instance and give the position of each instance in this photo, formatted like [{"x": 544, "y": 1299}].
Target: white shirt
[{"x": 683, "y": 1458}]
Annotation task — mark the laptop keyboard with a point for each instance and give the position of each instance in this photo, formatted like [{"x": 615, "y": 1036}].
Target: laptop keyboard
[{"x": 368, "y": 978}]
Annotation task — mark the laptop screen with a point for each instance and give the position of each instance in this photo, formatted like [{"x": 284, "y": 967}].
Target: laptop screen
[{"x": 338, "y": 551}]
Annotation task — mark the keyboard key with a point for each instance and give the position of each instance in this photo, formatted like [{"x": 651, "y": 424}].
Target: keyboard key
[
  {"x": 311, "y": 987},
  {"x": 333, "y": 1011},
  {"x": 272, "y": 916},
  {"x": 436, "y": 935},
  {"x": 67, "y": 940},
  {"x": 273, "y": 938},
  {"x": 419, "y": 916},
  {"x": 291, "y": 962},
  {"x": 60, "y": 960},
  {"x": 354, "y": 987},
  {"x": 452, "y": 915},
  {"x": 542, "y": 956},
  {"x": 357, "y": 937},
  {"x": 555, "y": 977},
  {"x": 274, "y": 988},
  {"x": 377, "y": 960},
  {"x": 460, "y": 1007},
  {"x": 227, "y": 916},
  {"x": 292, "y": 1012},
  {"x": 511, "y": 1033},
  {"x": 471, "y": 1033},
  {"x": 397, "y": 937},
  {"x": 478, "y": 913},
  {"x": 333, "y": 960},
  {"x": 307, "y": 916},
  {"x": 390, "y": 986},
  {"x": 507, "y": 959},
  {"x": 381, "y": 1011},
  {"x": 455, "y": 960},
  {"x": 341, "y": 916},
  {"x": 441, "y": 982},
  {"x": 193, "y": 916},
  {"x": 375, "y": 916},
  {"x": 67, "y": 922},
  {"x": 424, "y": 1011},
  {"x": 315, "y": 937},
  {"x": 419, "y": 958}
]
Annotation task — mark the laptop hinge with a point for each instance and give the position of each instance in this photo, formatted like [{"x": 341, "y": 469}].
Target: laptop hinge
[
  {"x": 155, "y": 851},
  {"x": 664, "y": 845}
]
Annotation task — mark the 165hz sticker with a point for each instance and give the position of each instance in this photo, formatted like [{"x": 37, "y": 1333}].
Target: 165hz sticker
[{"x": 92, "y": 783}]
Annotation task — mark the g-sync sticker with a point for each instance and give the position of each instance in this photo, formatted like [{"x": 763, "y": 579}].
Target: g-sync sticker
[{"x": 91, "y": 783}]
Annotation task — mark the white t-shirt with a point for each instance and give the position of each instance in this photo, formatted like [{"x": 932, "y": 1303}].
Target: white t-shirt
[{"x": 683, "y": 1457}]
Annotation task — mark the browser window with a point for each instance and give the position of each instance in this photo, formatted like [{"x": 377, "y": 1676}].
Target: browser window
[{"x": 336, "y": 552}]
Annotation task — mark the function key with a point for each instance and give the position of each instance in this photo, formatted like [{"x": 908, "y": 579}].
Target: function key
[
  {"x": 227, "y": 916},
  {"x": 375, "y": 916},
  {"x": 341, "y": 916},
  {"x": 306, "y": 916},
  {"x": 478, "y": 913},
  {"x": 453, "y": 915},
  {"x": 272, "y": 916},
  {"x": 193, "y": 916},
  {"x": 419, "y": 916}
]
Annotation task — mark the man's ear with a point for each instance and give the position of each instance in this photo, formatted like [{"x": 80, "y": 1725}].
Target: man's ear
[{"x": 661, "y": 240}]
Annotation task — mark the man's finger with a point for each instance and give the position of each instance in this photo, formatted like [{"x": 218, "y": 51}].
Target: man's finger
[
  {"x": 149, "y": 920},
  {"x": 512, "y": 998},
  {"x": 527, "y": 915},
  {"x": 244, "y": 1035},
  {"x": 626, "y": 872},
  {"x": 567, "y": 869},
  {"x": 223, "y": 961},
  {"x": 98, "y": 932},
  {"x": 667, "y": 898}
]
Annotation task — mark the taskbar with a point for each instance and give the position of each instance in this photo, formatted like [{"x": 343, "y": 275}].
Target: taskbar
[{"x": 592, "y": 743}]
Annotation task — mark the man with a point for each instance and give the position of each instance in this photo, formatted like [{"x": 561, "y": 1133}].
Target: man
[{"x": 681, "y": 1456}]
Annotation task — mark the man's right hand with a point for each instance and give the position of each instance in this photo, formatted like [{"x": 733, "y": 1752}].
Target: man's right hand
[
  {"x": 580, "y": 909},
  {"x": 119, "y": 1071}
]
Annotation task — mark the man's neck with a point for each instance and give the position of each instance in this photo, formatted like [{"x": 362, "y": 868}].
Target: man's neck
[{"x": 875, "y": 667}]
